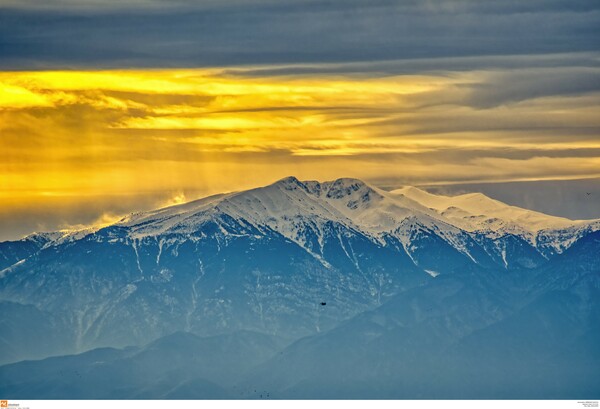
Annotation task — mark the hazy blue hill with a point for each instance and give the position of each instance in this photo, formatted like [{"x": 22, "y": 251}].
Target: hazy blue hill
[
  {"x": 472, "y": 334},
  {"x": 548, "y": 348},
  {"x": 28, "y": 333},
  {"x": 390, "y": 351},
  {"x": 462, "y": 336},
  {"x": 178, "y": 366},
  {"x": 63, "y": 376}
]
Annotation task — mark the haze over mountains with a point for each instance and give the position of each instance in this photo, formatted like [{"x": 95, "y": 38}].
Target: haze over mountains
[{"x": 307, "y": 290}]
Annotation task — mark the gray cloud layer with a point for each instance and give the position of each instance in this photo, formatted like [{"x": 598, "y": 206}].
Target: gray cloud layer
[{"x": 145, "y": 33}]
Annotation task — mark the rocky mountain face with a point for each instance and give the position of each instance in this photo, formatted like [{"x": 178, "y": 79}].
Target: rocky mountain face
[{"x": 335, "y": 289}]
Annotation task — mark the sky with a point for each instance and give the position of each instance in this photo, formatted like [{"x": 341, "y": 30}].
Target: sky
[{"x": 109, "y": 107}]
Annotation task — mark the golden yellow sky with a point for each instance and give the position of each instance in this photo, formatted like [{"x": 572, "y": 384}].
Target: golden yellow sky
[{"x": 71, "y": 138}]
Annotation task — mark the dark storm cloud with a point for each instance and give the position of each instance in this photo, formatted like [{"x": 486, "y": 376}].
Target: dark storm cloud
[{"x": 154, "y": 33}]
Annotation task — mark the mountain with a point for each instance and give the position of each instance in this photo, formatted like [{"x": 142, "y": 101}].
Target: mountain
[
  {"x": 177, "y": 366},
  {"x": 12, "y": 252},
  {"x": 366, "y": 293},
  {"x": 462, "y": 336},
  {"x": 468, "y": 335}
]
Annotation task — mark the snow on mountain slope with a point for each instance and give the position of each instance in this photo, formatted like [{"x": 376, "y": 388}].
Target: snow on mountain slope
[
  {"x": 370, "y": 208},
  {"x": 347, "y": 201},
  {"x": 303, "y": 212},
  {"x": 378, "y": 214},
  {"x": 293, "y": 209},
  {"x": 475, "y": 211},
  {"x": 156, "y": 222}
]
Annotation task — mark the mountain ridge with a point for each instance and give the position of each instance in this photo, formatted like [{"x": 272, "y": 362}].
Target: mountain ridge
[
  {"x": 311, "y": 267},
  {"x": 417, "y": 200}
]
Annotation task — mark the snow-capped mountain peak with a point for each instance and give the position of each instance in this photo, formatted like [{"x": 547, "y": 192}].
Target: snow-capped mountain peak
[
  {"x": 304, "y": 211},
  {"x": 476, "y": 211}
]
